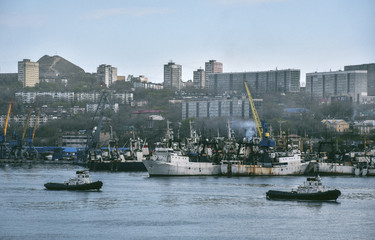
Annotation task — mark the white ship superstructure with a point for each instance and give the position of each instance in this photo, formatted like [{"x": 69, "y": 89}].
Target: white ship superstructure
[{"x": 169, "y": 162}]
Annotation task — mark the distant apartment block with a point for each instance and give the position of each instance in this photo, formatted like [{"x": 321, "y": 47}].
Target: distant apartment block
[
  {"x": 28, "y": 73},
  {"x": 172, "y": 76},
  {"x": 21, "y": 119},
  {"x": 282, "y": 81},
  {"x": 338, "y": 83},
  {"x": 199, "y": 79},
  {"x": 49, "y": 97},
  {"x": 220, "y": 107},
  {"x": 92, "y": 107},
  {"x": 106, "y": 74},
  {"x": 370, "y": 68},
  {"x": 148, "y": 85}
]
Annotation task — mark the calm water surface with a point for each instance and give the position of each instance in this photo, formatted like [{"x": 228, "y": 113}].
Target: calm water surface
[{"x": 134, "y": 206}]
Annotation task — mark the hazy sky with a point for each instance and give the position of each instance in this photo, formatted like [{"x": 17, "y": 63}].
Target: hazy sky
[{"x": 139, "y": 37}]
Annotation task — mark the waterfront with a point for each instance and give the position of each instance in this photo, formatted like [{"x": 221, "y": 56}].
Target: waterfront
[{"x": 134, "y": 206}]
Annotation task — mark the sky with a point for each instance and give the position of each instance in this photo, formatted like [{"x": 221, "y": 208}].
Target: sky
[{"x": 140, "y": 36}]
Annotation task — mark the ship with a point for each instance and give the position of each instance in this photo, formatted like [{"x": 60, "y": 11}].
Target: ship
[
  {"x": 116, "y": 159},
  {"x": 312, "y": 189},
  {"x": 171, "y": 162},
  {"x": 268, "y": 164},
  {"x": 82, "y": 181}
]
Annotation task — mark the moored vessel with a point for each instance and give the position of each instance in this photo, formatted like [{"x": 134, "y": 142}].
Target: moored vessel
[
  {"x": 312, "y": 189},
  {"x": 82, "y": 181},
  {"x": 170, "y": 162},
  {"x": 271, "y": 164}
]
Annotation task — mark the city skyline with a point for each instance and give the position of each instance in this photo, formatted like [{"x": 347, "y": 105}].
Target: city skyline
[{"x": 139, "y": 37}]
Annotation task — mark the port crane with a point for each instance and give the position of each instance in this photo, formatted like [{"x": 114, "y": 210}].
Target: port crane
[
  {"x": 7, "y": 119},
  {"x": 261, "y": 126},
  {"x": 27, "y": 123},
  {"x": 4, "y": 148}
]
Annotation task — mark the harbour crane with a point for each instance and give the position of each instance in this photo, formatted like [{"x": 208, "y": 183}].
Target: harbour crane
[
  {"x": 27, "y": 123},
  {"x": 36, "y": 124},
  {"x": 261, "y": 126},
  {"x": 94, "y": 140},
  {"x": 7, "y": 119}
]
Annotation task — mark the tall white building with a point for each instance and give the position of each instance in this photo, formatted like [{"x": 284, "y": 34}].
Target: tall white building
[
  {"x": 106, "y": 74},
  {"x": 28, "y": 73},
  {"x": 172, "y": 76}
]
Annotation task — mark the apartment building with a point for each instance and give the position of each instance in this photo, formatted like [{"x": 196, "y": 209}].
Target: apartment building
[
  {"x": 28, "y": 73},
  {"x": 172, "y": 76},
  {"x": 220, "y": 107},
  {"x": 337, "y": 83},
  {"x": 282, "y": 81}
]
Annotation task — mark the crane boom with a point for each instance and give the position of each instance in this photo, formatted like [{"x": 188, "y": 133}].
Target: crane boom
[
  {"x": 7, "y": 119},
  {"x": 255, "y": 113},
  {"x": 26, "y": 124},
  {"x": 36, "y": 124}
]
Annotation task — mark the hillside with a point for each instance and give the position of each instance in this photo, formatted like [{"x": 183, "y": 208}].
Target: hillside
[{"x": 57, "y": 67}]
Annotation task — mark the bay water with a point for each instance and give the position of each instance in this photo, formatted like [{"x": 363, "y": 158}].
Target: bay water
[{"x": 131, "y": 205}]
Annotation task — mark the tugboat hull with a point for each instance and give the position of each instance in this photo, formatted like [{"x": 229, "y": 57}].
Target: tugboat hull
[
  {"x": 330, "y": 195},
  {"x": 80, "y": 187}
]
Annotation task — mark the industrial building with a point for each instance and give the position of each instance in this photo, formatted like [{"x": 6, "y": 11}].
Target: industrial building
[
  {"x": 282, "y": 81},
  {"x": 219, "y": 107},
  {"x": 337, "y": 83}
]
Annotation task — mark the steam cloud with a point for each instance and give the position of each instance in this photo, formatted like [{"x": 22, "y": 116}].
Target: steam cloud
[{"x": 248, "y": 125}]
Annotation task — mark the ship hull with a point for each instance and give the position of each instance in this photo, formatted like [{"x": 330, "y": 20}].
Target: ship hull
[
  {"x": 129, "y": 166},
  {"x": 330, "y": 195},
  {"x": 335, "y": 169},
  {"x": 160, "y": 168},
  {"x": 258, "y": 170},
  {"x": 80, "y": 187}
]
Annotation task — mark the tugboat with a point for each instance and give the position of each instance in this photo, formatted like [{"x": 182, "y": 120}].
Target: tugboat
[
  {"x": 81, "y": 182},
  {"x": 312, "y": 189}
]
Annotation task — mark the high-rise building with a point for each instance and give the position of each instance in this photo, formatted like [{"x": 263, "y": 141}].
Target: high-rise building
[
  {"x": 370, "y": 68},
  {"x": 338, "y": 83},
  {"x": 28, "y": 73},
  {"x": 199, "y": 79},
  {"x": 212, "y": 67},
  {"x": 259, "y": 82},
  {"x": 106, "y": 74},
  {"x": 172, "y": 76}
]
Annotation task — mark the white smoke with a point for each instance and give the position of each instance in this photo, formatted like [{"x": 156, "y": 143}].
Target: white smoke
[{"x": 248, "y": 125}]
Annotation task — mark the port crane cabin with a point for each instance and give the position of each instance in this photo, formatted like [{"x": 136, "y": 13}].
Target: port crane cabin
[{"x": 261, "y": 126}]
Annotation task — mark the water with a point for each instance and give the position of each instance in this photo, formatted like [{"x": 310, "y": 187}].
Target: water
[{"x": 134, "y": 206}]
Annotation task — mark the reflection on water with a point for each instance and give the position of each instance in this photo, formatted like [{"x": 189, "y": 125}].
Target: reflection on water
[{"x": 133, "y": 205}]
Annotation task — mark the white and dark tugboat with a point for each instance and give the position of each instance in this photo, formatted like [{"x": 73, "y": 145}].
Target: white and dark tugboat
[
  {"x": 81, "y": 182},
  {"x": 312, "y": 189}
]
